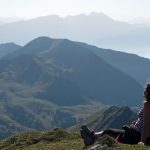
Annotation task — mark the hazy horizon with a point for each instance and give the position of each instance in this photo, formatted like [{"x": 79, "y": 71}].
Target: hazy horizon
[
  {"x": 117, "y": 9},
  {"x": 106, "y": 31},
  {"x": 137, "y": 20}
]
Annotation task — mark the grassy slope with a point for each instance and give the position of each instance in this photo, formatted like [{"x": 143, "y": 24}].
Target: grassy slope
[{"x": 55, "y": 140}]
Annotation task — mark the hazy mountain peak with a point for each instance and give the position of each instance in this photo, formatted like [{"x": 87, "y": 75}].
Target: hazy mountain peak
[
  {"x": 38, "y": 44},
  {"x": 76, "y": 16},
  {"x": 6, "y": 48},
  {"x": 9, "y": 44},
  {"x": 91, "y": 15},
  {"x": 40, "y": 39},
  {"x": 46, "y": 18},
  {"x": 99, "y": 15}
]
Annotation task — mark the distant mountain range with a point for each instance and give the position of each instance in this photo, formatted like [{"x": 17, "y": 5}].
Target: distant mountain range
[{"x": 96, "y": 29}]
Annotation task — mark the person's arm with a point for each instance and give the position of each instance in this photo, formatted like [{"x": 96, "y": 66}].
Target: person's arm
[{"x": 146, "y": 121}]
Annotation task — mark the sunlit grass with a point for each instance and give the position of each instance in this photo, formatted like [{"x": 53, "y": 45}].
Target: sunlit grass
[{"x": 56, "y": 140}]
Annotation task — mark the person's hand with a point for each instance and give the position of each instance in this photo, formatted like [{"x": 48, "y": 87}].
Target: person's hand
[
  {"x": 141, "y": 143},
  {"x": 116, "y": 140}
]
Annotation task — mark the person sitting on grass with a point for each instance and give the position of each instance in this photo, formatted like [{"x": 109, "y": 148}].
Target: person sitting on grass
[{"x": 137, "y": 133}]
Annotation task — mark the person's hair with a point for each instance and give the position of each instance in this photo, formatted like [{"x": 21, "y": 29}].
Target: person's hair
[{"x": 147, "y": 90}]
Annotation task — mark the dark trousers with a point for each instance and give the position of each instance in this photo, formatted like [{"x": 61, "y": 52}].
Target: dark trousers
[
  {"x": 147, "y": 141},
  {"x": 128, "y": 136}
]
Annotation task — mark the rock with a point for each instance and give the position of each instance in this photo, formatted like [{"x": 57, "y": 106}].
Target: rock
[{"x": 99, "y": 147}]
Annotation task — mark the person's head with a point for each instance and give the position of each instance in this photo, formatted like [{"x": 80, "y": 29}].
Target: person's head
[{"x": 147, "y": 92}]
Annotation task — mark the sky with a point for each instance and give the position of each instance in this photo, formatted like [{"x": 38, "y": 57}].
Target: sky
[{"x": 123, "y": 10}]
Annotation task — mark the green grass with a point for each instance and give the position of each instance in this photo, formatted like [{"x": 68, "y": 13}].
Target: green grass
[
  {"x": 56, "y": 140},
  {"x": 130, "y": 147}
]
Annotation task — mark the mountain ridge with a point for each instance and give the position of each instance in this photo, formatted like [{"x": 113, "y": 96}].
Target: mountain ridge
[
  {"x": 132, "y": 64},
  {"x": 98, "y": 29},
  {"x": 72, "y": 59},
  {"x": 112, "y": 117}
]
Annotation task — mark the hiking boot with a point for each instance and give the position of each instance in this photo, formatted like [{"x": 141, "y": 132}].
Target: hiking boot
[
  {"x": 126, "y": 127},
  {"x": 84, "y": 127},
  {"x": 87, "y": 135}
]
